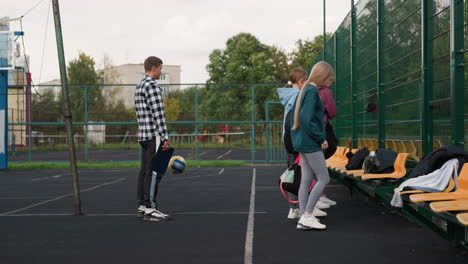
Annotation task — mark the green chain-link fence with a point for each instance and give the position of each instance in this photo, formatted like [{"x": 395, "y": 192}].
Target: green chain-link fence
[{"x": 407, "y": 58}]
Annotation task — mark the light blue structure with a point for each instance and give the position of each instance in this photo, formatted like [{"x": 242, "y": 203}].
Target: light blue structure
[{"x": 4, "y": 45}]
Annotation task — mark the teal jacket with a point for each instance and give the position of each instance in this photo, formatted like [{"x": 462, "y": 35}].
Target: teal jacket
[{"x": 310, "y": 135}]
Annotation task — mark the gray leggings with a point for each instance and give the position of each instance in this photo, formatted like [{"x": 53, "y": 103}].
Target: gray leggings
[{"x": 313, "y": 164}]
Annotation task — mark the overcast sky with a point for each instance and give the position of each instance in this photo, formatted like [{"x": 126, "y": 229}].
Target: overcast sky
[{"x": 180, "y": 32}]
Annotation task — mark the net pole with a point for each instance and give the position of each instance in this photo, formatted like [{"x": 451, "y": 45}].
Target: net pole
[
  {"x": 196, "y": 123},
  {"x": 67, "y": 110},
  {"x": 268, "y": 126},
  {"x": 86, "y": 121},
  {"x": 253, "y": 122}
]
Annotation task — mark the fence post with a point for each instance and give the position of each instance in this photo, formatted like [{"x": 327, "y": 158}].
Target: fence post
[
  {"x": 196, "y": 122},
  {"x": 426, "y": 86},
  {"x": 252, "y": 88},
  {"x": 86, "y": 121},
  {"x": 457, "y": 71},
  {"x": 353, "y": 72},
  {"x": 324, "y": 30},
  {"x": 380, "y": 74},
  {"x": 267, "y": 141},
  {"x": 13, "y": 144},
  {"x": 335, "y": 62}
]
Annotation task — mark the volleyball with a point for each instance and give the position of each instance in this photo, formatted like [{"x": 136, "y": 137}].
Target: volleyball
[{"x": 177, "y": 164}]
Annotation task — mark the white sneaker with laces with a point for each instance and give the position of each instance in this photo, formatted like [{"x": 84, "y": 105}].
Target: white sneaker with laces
[
  {"x": 318, "y": 213},
  {"x": 294, "y": 214},
  {"x": 321, "y": 205},
  {"x": 155, "y": 215},
  {"x": 327, "y": 201},
  {"x": 166, "y": 216},
  {"x": 310, "y": 222}
]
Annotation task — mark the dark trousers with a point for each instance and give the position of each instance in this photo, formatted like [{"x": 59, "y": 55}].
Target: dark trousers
[{"x": 146, "y": 193}]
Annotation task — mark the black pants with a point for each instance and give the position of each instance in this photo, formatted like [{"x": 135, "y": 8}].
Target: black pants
[{"x": 146, "y": 194}]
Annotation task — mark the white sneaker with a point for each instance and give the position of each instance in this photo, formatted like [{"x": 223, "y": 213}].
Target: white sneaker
[
  {"x": 310, "y": 222},
  {"x": 141, "y": 211},
  {"x": 318, "y": 213},
  {"x": 163, "y": 214},
  {"x": 327, "y": 201},
  {"x": 322, "y": 205},
  {"x": 294, "y": 214},
  {"x": 155, "y": 215}
]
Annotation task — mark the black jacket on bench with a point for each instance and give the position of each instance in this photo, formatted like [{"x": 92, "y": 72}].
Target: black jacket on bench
[{"x": 435, "y": 159}]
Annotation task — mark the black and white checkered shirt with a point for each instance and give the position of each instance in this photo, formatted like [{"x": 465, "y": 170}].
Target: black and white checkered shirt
[{"x": 149, "y": 108}]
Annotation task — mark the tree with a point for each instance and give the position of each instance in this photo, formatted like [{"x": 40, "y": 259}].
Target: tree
[
  {"x": 81, "y": 71},
  {"x": 45, "y": 107},
  {"x": 306, "y": 51},
  {"x": 244, "y": 60},
  {"x": 172, "y": 109},
  {"x": 281, "y": 67}
]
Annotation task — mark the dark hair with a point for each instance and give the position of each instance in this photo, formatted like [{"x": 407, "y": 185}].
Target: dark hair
[
  {"x": 151, "y": 62},
  {"x": 295, "y": 76}
]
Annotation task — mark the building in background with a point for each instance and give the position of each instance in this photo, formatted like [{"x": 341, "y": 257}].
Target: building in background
[
  {"x": 128, "y": 75},
  {"x": 19, "y": 97}
]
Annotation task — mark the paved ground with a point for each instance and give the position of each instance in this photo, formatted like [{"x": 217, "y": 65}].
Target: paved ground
[
  {"x": 217, "y": 219},
  {"x": 132, "y": 154}
]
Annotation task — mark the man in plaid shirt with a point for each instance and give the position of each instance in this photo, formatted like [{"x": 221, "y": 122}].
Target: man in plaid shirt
[{"x": 152, "y": 132}]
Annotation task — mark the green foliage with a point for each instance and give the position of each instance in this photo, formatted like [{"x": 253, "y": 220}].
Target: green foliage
[
  {"x": 81, "y": 71},
  {"x": 307, "y": 51},
  {"x": 171, "y": 108},
  {"x": 244, "y": 60},
  {"x": 44, "y": 107}
]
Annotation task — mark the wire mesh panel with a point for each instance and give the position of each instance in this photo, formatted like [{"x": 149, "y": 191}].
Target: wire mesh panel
[
  {"x": 402, "y": 68},
  {"x": 343, "y": 93},
  {"x": 366, "y": 90},
  {"x": 441, "y": 98}
]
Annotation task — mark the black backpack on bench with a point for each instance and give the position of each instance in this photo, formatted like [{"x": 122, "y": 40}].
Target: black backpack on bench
[
  {"x": 356, "y": 160},
  {"x": 381, "y": 163}
]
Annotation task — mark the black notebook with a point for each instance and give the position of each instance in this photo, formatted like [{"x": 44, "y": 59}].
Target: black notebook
[{"x": 161, "y": 160}]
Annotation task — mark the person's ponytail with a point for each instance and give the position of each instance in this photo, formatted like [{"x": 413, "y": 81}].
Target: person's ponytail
[
  {"x": 320, "y": 73},
  {"x": 298, "y": 108}
]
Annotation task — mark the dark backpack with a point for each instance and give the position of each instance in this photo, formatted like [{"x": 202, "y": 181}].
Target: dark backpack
[
  {"x": 381, "y": 162},
  {"x": 294, "y": 186},
  {"x": 356, "y": 160},
  {"x": 332, "y": 141},
  {"x": 371, "y": 163},
  {"x": 287, "y": 136}
]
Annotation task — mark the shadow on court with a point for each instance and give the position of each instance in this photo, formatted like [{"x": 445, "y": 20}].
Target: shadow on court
[{"x": 211, "y": 208}]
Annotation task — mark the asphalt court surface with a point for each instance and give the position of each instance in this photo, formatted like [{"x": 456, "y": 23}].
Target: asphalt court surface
[
  {"x": 221, "y": 215},
  {"x": 132, "y": 154}
]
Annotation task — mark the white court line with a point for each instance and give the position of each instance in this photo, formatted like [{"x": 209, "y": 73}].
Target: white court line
[
  {"x": 63, "y": 196},
  {"x": 14, "y": 198},
  {"x": 55, "y": 177},
  {"x": 199, "y": 176},
  {"x": 201, "y": 154},
  {"x": 224, "y": 154},
  {"x": 250, "y": 223},
  {"x": 182, "y": 213}
]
